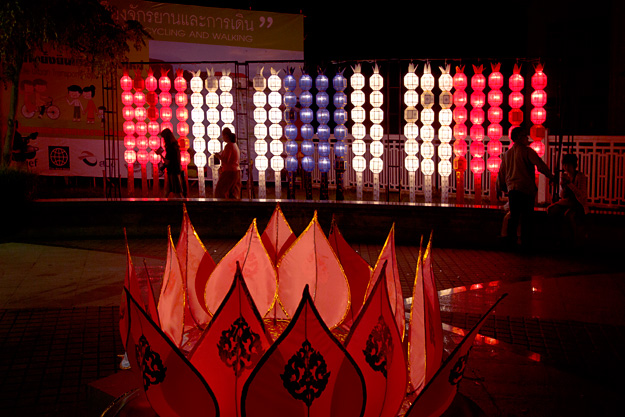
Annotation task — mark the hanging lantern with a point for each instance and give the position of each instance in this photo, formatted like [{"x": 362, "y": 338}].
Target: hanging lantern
[
  {"x": 180, "y": 84},
  {"x": 138, "y": 83},
  {"x": 126, "y": 82},
  {"x": 151, "y": 83},
  {"x": 539, "y": 79},
  {"x": 130, "y": 156},
  {"x": 164, "y": 83},
  {"x": 290, "y": 130}
]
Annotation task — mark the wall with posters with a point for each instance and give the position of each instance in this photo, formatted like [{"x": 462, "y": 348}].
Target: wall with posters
[{"x": 60, "y": 114}]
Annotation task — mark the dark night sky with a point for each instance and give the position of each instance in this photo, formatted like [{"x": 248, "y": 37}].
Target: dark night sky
[{"x": 582, "y": 43}]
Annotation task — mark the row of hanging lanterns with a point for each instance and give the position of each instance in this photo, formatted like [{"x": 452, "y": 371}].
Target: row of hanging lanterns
[{"x": 141, "y": 126}]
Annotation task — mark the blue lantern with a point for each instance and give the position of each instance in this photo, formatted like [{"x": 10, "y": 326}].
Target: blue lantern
[
  {"x": 322, "y": 99},
  {"x": 290, "y": 83},
  {"x": 305, "y": 82},
  {"x": 340, "y": 116},
  {"x": 306, "y": 99},
  {"x": 340, "y": 149},
  {"x": 340, "y": 132},
  {"x": 308, "y": 163},
  {"x": 339, "y": 82},
  {"x": 322, "y": 82},
  {"x": 291, "y": 148},
  {"x": 324, "y": 165},
  {"x": 290, "y": 132},
  {"x": 307, "y": 148},
  {"x": 323, "y": 116},
  {"x": 340, "y": 99},
  {"x": 291, "y": 163},
  {"x": 307, "y": 132},
  {"x": 323, "y": 132},
  {"x": 306, "y": 115},
  {"x": 324, "y": 149},
  {"x": 290, "y": 99}
]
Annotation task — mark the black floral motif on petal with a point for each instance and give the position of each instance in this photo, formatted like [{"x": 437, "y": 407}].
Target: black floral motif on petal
[
  {"x": 152, "y": 367},
  {"x": 239, "y": 347},
  {"x": 456, "y": 373},
  {"x": 306, "y": 374},
  {"x": 379, "y": 347}
]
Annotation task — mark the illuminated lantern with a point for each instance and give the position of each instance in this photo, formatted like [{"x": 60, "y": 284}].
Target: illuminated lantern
[
  {"x": 165, "y": 99},
  {"x": 126, "y": 82},
  {"x": 151, "y": 83},
  {"x": 128, "y": 112},
  {"x": 180, "y": 84},
  {"x": 275, "y": 129},
  {"x": 260, "y": 130},
  {"x": 495, "y": 131},
  {"x": 139, "y": 99},
  {"x": 128, "y": 98},
  {"x": 141, "y": 128},
  {"x": 164, "y": 83},
  {"x": 445, "y": 117},
  {"x": 226, "y": 100},
  {"x": 411, "y": 130},
  {"x": 290, "y": 130},
  {"x": 427, "y": 131},
  {"x": 460, "y": 131},
  {"x": 166, "y": 113},
  {"x": 307, "y": 131},
  {"x": 516, "y": 83},
  {"x": 198, "y": 130},
  {"x": 357, "y": 98},
  {"x": 142, "y": 157},
  {"x": 376, "y": 115},
  {"x": 130, "y": 156},
  {"x": 478, "y": 98},
  {"x": 129, "y": 127},
  {"x": 538, "y": 114},
  {"x": 339, "y": 82}
]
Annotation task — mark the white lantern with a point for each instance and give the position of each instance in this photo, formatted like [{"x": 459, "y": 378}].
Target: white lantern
[
  {"x": 227, "y": 115},
  {"x": 376, "y": 99},
  {"x": 411, "y": 131},
  {"x": 359, "y": 163},
  {"x": 445, "y": 134},
  {"x": 445, "y": 117},
  {"x": 427, "y": 133},
  {"x": 214, "y": 146},
  {"x": 359, "y": 147},
  {"x": 197, "y": 100},
  {"x": 444, "y": 151},
  {"x": 212, "y": 99},
  {"x": 261, "y": 163},
  {"x": 444, "y": 168},
  {"x": 260, "y": 115},
  {"x": 259, "y": 99},
  {"x": 274, "y": 82},
  {"x": 199, "y": 159},
  {"x": 359, "y": 131},
  {"x": 411, "y": 80},
  {"x": 212, "y": 115},
  {"x": 411, "y": 147},
  {"x": 411, "y": 163},
  {"x": 260, "y": 147},
  {"x": 275, "y": 99},
  {"x": 196, "y": 83},
  {"x": 377, "y": 149},
  {"x": 376, "y": 165},
  {"x": 376, "y": 132},
  {"x": 427, "y": 150},
  {"x": 376, "y": 81},
  {"x": 276, "y": 147},
  {"x": 376, "y": 115},
  {"x": 213, "y": 131},
  {"x": 199, "y": 144},
  {"x": 226, "y": 99},
  {"x": 427, "y": 116},
  {"x": 225, "y": 82},
  {"x": 427, "y": 167},
  {"x": 357, "y": 80},
  {"x": 275, "y": 131},
  {"x": 277, "y": 163},
  {"x": 260, "y": 131},
  {"x": 275, "y": 115},
  {"x": 358, "y": 98},
  {"x": 197, "y": 115},
  {"x": 358, "y": 114},
  {"x": 198, "y": 130},
  {"x": 411, "y": 98}
]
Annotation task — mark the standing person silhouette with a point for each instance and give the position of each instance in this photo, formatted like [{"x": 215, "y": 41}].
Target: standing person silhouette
[
  {"x": 173, "y": 185},
  {"x": 517, "y": 177},
  {"x": 229, "y": 183}
]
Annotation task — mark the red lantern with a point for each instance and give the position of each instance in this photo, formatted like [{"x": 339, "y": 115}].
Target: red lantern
[
  {"x": 141, "y": 113},
  {"x": 538, "y": 132},
  {"x": 495, "y": 79},
  {"x": 167, "y": 125},
  {"x": 151, "y": 83},
  {"x": 180, "y": 84},
  {"x": 494, "y": 147},
  {"x": 460, "y": 114},
  {"x": 154, "y": 128},
  {"x": 152, "y": 113},
  {"x": 477, "y": 149},
  {"x": 182, "y": 128},
  {"x": 477, "y": 116},
  {"x": 478, "y": 81},
  {"x": 460, "y": 148},
  {"x": 128, "y": 112},
  {"x": 142, "y": 157},
  {"x": 130, "y": 156},
  {"x": 141, "y": 128},
  {"x": 515, "y": 100},
  {"x": 129, "y": 127},
  {"x": 460, "y": 98},
  {"x": 185, "y": 158},
  {"x": 495, "y": 114},
  {"x": 138, "y": 82},
  {"x": 460, "y": 132},
  {"x": 495, "y": 97},
  {"x": 129, "y": 142},
  {"x": 126, "y": 81},
  {"x": 494, "y": 163},
  {"x": 460, "y": 79},
  {"x": 515, "y": 117},
  {"x": 182, "y": 114},
  {"x": 477, "y": 166},
  {"x": 164, "y": 83},
  {"x": 495, "y": 131},
  {"x": 142, "y": 142},
  {"x": 139, "y": 99},
  {"x": 539, "y": 79},
  {"x": 538, "y": 115},
  {"x": 538, "y": 98},
  {"x": 166, "y": 114},
  {"x": 516, "y": 81},
  {"x": 154, "y": 142},
  {"x": 539, "y": 147},
  {"x": 477, "y": 133},
  {"x": 181, "y": 99},
  {"x": 478, "y": 99},
  {"x": 128, "y": 98},
  {"x": 165, "y": 99},
  {"x": 183, "y": 142},
  {"x": 154, "y": 158},
  {"x": 151, "y": 98}
]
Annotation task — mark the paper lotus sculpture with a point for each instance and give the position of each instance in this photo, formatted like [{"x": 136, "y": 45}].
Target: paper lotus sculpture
[{"x": 273, "y": 329}]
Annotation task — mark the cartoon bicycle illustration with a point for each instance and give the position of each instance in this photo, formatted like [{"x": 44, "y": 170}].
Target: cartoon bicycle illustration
[{"x": 48, "y": 108}]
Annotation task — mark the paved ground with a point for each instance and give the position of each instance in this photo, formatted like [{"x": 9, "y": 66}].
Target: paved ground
[{"x": 554, "y": 347}]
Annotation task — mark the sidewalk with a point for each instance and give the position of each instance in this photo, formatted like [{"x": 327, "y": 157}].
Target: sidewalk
[{"x": 554, "y": 346}]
